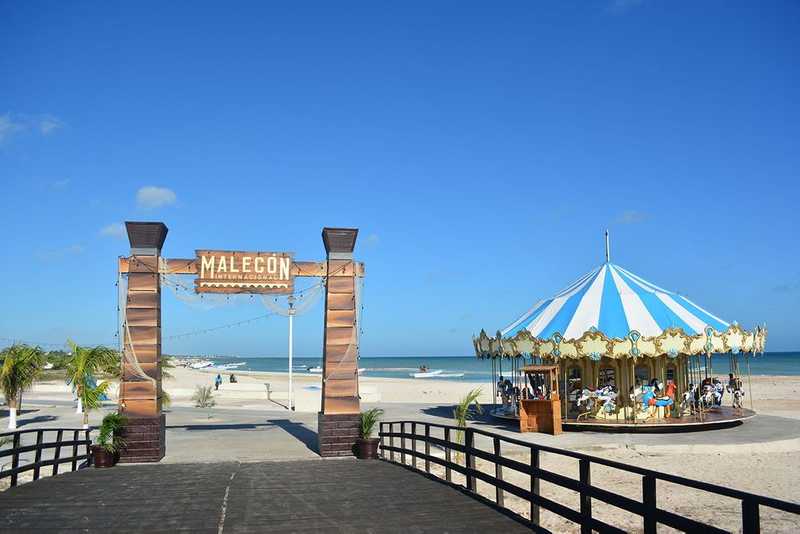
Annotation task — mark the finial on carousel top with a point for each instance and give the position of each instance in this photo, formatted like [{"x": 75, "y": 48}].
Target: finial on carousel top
[{"x": 608, "y": 248}]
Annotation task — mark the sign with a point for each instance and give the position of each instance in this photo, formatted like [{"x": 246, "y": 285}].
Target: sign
[{"x": 221, "y": 271}]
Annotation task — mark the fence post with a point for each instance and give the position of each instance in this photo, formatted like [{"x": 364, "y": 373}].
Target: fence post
[
  {"x": 88, "y": 448},
  {"x": 498, "y": 474},
  {"x": 414, "y": 445},
  {"x": 751, "y": 523},
  {"x": 649, "y": 501},
  {"x": 403, "y": 443},
  {"x": 15, "y": 459},
  {"x": 391, "y": 441},
  {"x": 469, "y": 459},
  {"x": 57, "y": 454},
  {"x": 380, "y": 435},
  {"x": 586, "y": 500},
  {"x": 38, "y": 456},
  {"x": 427, "y": 448},
  {"x": 534, "y": 485},
  {"x": 447, "y": 455},
  {"x": 75, "y": 438}
]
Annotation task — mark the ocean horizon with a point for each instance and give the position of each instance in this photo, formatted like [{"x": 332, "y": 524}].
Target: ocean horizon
[{"x": 474, "y": 369}]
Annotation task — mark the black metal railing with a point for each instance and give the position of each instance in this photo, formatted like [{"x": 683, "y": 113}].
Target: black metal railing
[
  {"x": 77, "y": 442},
  {"x": 647, "y": 508}
]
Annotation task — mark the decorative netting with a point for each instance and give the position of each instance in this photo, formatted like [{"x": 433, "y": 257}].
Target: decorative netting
[{"x": 302, "y": 301}]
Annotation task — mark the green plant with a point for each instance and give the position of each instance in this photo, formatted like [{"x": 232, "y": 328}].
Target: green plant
[
  {"x": 165, "y": 364},
  {"x": 462, "y": 413},
  {"x": 22, "y": 364},
  {"x": 108, "y": 436},
  {"x": 83, "y": 365},
  {"x": 368, "y": 421},
  {"x": 203, "y": 397}
]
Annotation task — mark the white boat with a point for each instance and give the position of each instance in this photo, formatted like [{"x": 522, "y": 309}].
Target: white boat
[
  {"x": 450, "y": 375},
  {"x": 202, "y": 364},
  {"x": 226, "y": 366},
  {"x": 315, "y": 370},
  {"x": 361, "y": 370},
  {"x": 426, "y": 374}
]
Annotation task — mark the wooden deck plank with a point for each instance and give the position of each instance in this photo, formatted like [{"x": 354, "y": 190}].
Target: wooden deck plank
[{"x": 304, "y": 496}]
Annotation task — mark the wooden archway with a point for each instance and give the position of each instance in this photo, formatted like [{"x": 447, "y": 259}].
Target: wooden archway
[{"x": 140, "y": 398}]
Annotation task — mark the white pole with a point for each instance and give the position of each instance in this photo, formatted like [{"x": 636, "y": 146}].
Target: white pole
[{"x": 291, "y": 351}]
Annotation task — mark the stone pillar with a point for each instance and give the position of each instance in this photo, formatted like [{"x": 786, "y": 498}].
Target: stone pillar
[
  {"x": 140, "y": 398},
  {"x": 338, "y": 421}
]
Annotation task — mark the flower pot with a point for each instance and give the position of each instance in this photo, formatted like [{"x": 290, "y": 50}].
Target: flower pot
[
  {"x": 367, "y": 449},
  {"x": 102, "y": 458}
]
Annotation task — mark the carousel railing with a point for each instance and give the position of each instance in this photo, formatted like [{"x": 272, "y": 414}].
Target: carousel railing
[
  {"x": 30, "y": 451},
  {"x": 462, "y": 441}
]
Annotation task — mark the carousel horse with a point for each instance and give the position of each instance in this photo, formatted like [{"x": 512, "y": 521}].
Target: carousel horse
[
  {"x": 707, "y": 398},
  {"x": 608, "y": 398},
  {"x": 586, "y": 402},
  {"x": 689, "y": 402},
  {"x": 738, "y": 399}
]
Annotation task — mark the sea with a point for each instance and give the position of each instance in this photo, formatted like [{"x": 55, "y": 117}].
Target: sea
[{"x": 477, "y": 370}]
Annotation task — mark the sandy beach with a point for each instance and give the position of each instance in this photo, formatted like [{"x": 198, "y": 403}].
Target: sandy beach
[{"x": 771, "y": 395}]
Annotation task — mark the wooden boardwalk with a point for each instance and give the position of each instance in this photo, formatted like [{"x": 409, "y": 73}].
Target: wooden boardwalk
[{"x": 304, "y": 496}]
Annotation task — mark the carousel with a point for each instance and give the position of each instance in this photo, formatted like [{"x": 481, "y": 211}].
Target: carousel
[{"x": 627, "y": 355}]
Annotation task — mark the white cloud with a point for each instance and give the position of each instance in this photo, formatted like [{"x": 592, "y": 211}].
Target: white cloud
[
  {"x": 115, "y": 230},
  {"x": 48, "y": 124},
  {"x": 372, "y": 240},
  {"x": 151, "y": 197},
  {"x": 9, "y": 127},
  {"x": 43, "y": 124},
  {"x": 632, "y": 217}
]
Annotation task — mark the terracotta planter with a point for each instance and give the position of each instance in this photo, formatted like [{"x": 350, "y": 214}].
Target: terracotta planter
[
  {"x": 367, "y": 449},
  {"x": 102, "y": 458}
]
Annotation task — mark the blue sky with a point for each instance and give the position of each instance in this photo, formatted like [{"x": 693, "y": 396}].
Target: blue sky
[{"x": 481, "y": 148}]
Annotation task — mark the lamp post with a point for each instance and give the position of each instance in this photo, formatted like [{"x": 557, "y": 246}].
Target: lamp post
[{"x": 291, "y": 300}]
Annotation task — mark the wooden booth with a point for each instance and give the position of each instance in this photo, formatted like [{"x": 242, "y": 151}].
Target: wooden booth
[{"x": 540, "y": 405}]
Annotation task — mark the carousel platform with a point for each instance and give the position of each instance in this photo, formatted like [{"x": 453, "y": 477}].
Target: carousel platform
[{"x": 716, "y": 418}]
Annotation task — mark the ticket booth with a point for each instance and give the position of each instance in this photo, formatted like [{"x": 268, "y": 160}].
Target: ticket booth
[{"x": 540, "y": 406}]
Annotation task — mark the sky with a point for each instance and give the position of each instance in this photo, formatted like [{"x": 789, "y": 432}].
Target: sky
[{"x": 481, "y": 148}]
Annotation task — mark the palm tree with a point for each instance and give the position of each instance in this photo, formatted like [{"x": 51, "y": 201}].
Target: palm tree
[
  {"x": 165, "y": 364},
  {"x": 82, "y": 367},
  {"x": 462, "y": 413},
  {"x": 22, "y": 364}
]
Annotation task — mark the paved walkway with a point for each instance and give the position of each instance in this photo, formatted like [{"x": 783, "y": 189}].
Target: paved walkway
[{"x": 343, "y": 495}]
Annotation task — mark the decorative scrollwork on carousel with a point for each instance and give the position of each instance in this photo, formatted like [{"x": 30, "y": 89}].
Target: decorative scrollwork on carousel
[
  {"x": 557, "y": 339},
  {"x": 635, "y": 336},
  {"x": 672, "y": 341}
]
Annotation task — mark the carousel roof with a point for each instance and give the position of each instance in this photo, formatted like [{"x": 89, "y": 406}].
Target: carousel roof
[{"x": 614, "y": 301}]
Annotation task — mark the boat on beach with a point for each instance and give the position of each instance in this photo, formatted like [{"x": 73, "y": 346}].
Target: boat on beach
[{"x": 202, "y": 364}]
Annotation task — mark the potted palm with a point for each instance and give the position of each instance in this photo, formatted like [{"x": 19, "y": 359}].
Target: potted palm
[
  {"x": 83, "y": 365},
  {"x": 21, "y": 365},
  {"x": 463, "y": 412},
  {"x": 106, "y": 452},
  {"x": 366, "y": 445}
]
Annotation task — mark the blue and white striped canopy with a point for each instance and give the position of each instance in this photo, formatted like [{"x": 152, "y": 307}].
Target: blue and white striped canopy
[{"x": 615, "y": 302}]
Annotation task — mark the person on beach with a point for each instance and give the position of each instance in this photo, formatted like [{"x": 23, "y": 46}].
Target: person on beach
[{"x": 217, "y": 382}]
